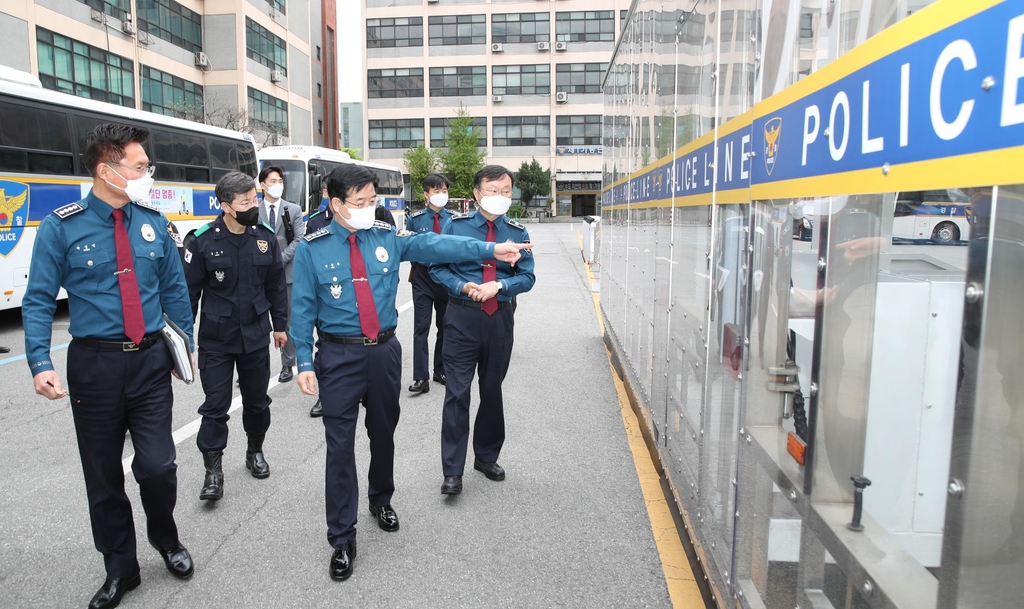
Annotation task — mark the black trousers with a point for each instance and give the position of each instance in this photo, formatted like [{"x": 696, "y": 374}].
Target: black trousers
[
  {"x": 474, "y": 342},
  {"x": 427, "y": 295},
  {"x": 113, "y": 391},
  {"x": 348, "y": 374},
  {"x": 216, "y": 370}
]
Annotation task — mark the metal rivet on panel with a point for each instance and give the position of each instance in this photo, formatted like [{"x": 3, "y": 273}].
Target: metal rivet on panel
[
  {"x": 988, "y": 82},
  {"x": 749, "y": 439},
  {"x": 885, "y": 169},
  {"x": 792, "y": 495}
]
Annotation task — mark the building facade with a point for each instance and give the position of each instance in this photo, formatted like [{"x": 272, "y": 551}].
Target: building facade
[
  {"x": 264, "y": 66},
  {"x": 352, "y": 126},
  {"x": 529, "y": 72}
]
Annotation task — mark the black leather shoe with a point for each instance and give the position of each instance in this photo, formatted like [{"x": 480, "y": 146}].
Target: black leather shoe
[
  {"x": 317, "y": 410},
  {"x": 213, "y": 483},
  {"x": 440, "y": 378},
  {"x": 255, "y": 462},
  {"x": 493, "y": 471},
  {"x": 286, "y": 375},
  {"x": 109, "y": 595},
  {"x": 5, "y": 349},
  {"x": 343, "y": 560},
  {"x": 422, "y": 386},
  {"x": 452, "y": 485},
  {"x": 386, "y": 517},
  {"x": 178, "y": 561}
]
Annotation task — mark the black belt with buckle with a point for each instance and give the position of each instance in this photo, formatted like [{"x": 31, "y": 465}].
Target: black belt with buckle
[
  {"x": 462, "y": 302},
  {"x": 357, "y": 340},
  {"x": 118, "y": 345}
]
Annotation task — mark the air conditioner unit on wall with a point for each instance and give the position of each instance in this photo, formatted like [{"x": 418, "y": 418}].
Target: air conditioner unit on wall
[
  {"x": 276, "y": 76},
  {"x": 497, "y": 47},
  {"x": 543, "y": 46},
  {"x": 497, "y": 98},
  {"x": 561, "y": 97},
  {"x": 128, "y": 28},
  {"x": 98, "y": 16},
  {"x": 561, "y": 46},
  {"x": 202, "y": 60}
]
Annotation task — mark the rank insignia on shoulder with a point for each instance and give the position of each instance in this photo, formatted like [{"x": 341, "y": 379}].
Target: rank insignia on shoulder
[
  {"x": 202, "y": 229},
  {"x": 459, "y": 216},
  {"x": 266, "y": 226},
  {"x": 147, "y": 205},
  {"x": 382, "y": 224},
  {"x": 68, "y": 210},
  {"x": 417, "y": 214},
  {"x": 512, "y": 222},
  {"x": 317, "y": 234}
]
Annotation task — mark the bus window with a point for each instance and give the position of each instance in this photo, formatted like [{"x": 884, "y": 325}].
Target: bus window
[
  {"x": 180, "y": 157},
  {"x": 33, "y": 140},
  {"x": 294, "y": 181}
]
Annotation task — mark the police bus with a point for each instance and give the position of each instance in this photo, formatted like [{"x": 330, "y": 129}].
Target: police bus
[
  {"x": 935, "y": 216},
  {"x": 42, "y": 135},
  {"x": 305, "y": 168}
]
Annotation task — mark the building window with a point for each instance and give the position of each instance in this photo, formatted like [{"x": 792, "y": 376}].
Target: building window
[
  {"x": 170, "y": 21},
  {"x": 398, "y": 32},
  {"x": 439, "y": 125},
  {"x": 278, "y": 4},
  {"x": 457, "y": 82},
  {"x": 521, "y": 27},
  {"x": 622, "y": 19},
  {"x": 396, "y": 133},
  {"x": 167, "y": 94},
  {"x": 579, "y": 77},
  {"x": 445, "y": 30},
  {"x": 585, "y": 26},
  {"x": 806, "y": 25},
  {"x": 344, "y": 128},
  {"x": 86, "y": 71},
  {"x": 521, "y": 80},
  {"x": 319, "y": 90},
  {"x": 521, "y": 131},
  {"x": 320, "y": 127},
  {"x": 268, "y": 111},
  {"x": 318, "y": 53},
  {"x": 263, "y": 46},
  {"x": 583, "y": 130},
  {"x": 395, "y": 82},
  {"x": 118, "y": 9}
]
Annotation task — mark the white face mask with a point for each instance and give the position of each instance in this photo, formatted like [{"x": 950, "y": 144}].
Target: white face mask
[
  {"x": 439, "y": 200},
  {"x": 495, "y": 205},
  {"x": 275, "y": 191},
  {"x": 361, "y": 219},
  {"x": 137, "y": 189}
]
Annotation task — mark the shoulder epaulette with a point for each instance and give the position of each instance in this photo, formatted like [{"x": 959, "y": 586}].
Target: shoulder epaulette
[
  {"x": 460, "y": 216},
  {"x": 147, "y": 205},
  {"x": 317, "y": 234},
  {"x": 417, "y": 214},
  {"x": 202, "y": 229},
  {"x": 317, "y": 213},
  {"x": 512, "y": 222},
  {"x": 382, "y": 224},
  {"x": 266, "y": 226},
  {"x": 68, "y": 210}
]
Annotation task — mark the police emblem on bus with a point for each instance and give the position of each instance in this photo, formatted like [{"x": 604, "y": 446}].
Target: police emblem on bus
[
  {"x": 336, "y": 291},
  {"x": 772, "y": 129},
  {"x": 382, "y": 254},
  {"x": 263, "y": 245},
  {"x": 13, "y": 214},
  {"x": 148, "y": 233},
  {"x": 219, "y": 275}
]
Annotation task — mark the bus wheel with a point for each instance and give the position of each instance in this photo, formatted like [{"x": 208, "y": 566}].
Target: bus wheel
[{"x": 946, "y": 232}]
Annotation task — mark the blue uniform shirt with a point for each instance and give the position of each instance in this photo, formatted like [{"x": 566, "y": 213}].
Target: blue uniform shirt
[
  {"x": 75, "y": 248},
  {"x": 514, "y": 279},
  {"x": 423, "y": 220},
  {"x": 322, "y": 291}
]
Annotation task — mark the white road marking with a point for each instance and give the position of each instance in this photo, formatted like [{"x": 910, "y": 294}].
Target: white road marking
[{"x": 192, "y": 428}]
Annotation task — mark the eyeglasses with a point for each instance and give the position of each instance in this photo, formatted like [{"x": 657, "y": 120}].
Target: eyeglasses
[
  {"x": 360, "y": 203},
  {"x": 494, "y": 191},
  {"x": 245, "y": 203},
  {"x": 149, "y": 170}
]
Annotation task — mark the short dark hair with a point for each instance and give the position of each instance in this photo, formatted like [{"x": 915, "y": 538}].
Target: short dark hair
[
  {"x": 269, "y": 169},
  {"x": 349, "y": 178},
  {"x": 491, "y": 173},
  {"x": 233, "y": 184},
  {"x": 435, "y": 180},
  {"x": 106, "y": 143}
]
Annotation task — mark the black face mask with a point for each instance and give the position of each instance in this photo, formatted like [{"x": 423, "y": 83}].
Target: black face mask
[{"x": 249, "y": 217}]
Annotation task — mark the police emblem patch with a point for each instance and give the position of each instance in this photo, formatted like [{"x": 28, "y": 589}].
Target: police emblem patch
[
  {"x": 263, "y": 245},
  {"x": 382, "y": 254},
  {"x": 219, "y": 275},
  {"x": 336, "y": 291},
  {"x": 772, "y": 130},
  {"x": 13, "y": 214},
  {"x": 147, "y": 233}
]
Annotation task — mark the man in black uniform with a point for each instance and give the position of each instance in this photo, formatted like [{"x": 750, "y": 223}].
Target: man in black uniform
[{"x": 234, "y": 265}]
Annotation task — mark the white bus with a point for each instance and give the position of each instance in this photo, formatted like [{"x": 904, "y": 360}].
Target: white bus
[
  {"x": 305, "y": 167},
  {"x": 931, "y": 216},
  {"x": 42, "y": 134}
]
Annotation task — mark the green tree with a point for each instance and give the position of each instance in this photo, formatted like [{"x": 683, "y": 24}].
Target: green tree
[
  {"x": 352, "y": 152},
  {"x": 532, "y": 180},
  {"x": 460, "y": 158},
  {"x": 420, "y": 162}
]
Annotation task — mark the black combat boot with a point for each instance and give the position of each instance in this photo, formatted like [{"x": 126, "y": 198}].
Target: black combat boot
[
  {"x": 213, "y": 484},
  {"x": 254, "y": 461}
]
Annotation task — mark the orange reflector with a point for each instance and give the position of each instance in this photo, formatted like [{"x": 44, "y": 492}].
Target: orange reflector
[
  {"x": 796, "y": 447},
  {"x": 8, "y": 292}
]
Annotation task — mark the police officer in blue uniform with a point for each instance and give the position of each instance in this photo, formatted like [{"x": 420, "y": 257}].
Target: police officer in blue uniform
[
  {"x": 478, "y": 329},
  {"x": 122, "y": 274},
  {"x": 234, "y": 266},
  {"x": 426, "y": 294},
  {"x": 345, "y": 283}
]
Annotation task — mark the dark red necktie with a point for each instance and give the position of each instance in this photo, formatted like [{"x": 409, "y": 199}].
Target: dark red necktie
[
  {"x": 131, "y": 302},
  {"x": 437, "y": 223},
  {"x": 490, "y": 274},
  {"x": 368, "y": 321}
]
